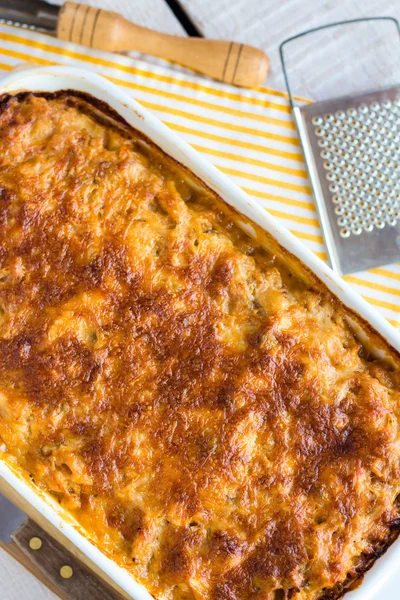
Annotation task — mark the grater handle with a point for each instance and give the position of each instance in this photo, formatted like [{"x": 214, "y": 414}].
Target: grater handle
[{"x": 322, "y": 27}]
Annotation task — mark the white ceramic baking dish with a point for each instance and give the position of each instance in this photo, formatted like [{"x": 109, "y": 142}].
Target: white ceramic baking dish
[{"x": 58, "y": 78}]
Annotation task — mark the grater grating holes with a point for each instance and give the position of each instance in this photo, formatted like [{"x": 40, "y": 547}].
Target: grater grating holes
[{"x": 361, "y": 156}]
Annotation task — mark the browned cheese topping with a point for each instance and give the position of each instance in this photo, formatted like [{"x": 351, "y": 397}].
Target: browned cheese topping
[{"x": 205, "y": 414}]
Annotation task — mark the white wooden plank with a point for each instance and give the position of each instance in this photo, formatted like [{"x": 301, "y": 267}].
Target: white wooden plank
[
  {"x": 18, "y": 584},
  {"x": 155, "y": 14},
  {"x": 267, "y": 23}
]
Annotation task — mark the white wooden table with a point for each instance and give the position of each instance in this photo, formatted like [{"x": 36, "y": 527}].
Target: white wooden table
[{"x": 263, "y": 23}]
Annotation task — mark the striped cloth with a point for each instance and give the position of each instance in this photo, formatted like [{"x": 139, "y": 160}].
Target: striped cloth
[{"x": 248, "y": 134}]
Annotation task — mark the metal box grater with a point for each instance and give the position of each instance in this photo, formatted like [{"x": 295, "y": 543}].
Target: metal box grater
[{"x": 351, "y": 146}]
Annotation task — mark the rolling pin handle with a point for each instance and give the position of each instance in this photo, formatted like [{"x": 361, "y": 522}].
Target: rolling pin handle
[{"x": 230, "y": 62}]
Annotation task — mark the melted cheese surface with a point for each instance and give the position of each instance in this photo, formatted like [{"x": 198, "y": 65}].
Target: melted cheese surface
[{"x": 207, "y": 416}]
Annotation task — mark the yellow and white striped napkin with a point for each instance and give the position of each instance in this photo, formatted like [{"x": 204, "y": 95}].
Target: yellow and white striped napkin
[{"x": 248, "y": 134}]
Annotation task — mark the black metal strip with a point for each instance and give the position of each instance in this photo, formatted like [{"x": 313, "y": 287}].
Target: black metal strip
[{"x": 188, "y": 25}]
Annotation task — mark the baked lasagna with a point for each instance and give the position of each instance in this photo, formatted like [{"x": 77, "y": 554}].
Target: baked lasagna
[{"x": 190, "y": 394}]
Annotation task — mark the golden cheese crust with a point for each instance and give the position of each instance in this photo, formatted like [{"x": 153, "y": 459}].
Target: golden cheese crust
[{"x": 205, "y": 413}]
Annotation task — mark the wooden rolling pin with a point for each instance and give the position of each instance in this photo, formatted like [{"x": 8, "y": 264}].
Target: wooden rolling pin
[{"x": 230, "y": 62}]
